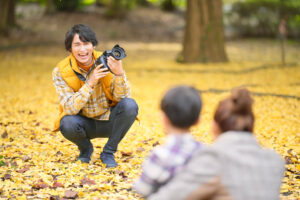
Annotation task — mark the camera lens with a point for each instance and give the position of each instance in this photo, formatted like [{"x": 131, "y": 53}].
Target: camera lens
[{"x": 117, "y": 54}]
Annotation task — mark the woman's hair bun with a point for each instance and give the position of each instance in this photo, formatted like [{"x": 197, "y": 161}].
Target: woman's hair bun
[{"x": 241, "y": 101}]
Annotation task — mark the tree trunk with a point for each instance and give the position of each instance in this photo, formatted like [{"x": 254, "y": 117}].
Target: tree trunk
[
  {"x": 101, "y": 3},
  {"x": 4, "y": 13},
  {"x": 204, "y": 32},
  {"x": 143, "y": 3},
  {"x": 11, "y": 20},
  {"x": 168, "y": 5},
  {"x": 50, "y": 7},
  {"x": 115, "y": 9}
]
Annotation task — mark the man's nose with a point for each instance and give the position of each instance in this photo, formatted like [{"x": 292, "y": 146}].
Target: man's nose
[{"x": 82, "y": 47}]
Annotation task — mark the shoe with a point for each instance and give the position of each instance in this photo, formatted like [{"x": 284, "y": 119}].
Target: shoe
[
  {"x": 84, "y": 160},
  {"x": 108, "y": 159},
  {"x": 85, "y": 155}
]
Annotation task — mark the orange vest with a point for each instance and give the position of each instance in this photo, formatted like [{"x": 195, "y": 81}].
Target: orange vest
[{"x": 69, "y": 76}]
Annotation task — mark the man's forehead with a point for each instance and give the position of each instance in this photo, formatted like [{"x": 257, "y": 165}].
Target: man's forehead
[{"x": 77, "y": 39}]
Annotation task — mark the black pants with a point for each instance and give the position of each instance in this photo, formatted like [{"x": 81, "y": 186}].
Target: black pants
[{"x": 80, "y": 130}]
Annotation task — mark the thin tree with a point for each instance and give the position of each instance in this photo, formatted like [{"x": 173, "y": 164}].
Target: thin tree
[
  {"x": 4, "y": 13},
  {"x": 11, "y": 20},
  {"x": 282, "y": 29},
  {"x": 7, "y": 16},
  {"x": 116, "y": 9},
  {"x": 168, "y": 5},
  {"x": 204, "y": 32},
  {"x": 282, "y": 35},
  {"x": 50, "y": 7}
]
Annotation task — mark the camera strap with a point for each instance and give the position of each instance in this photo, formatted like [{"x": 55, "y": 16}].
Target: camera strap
[{"x": 80, "y": 76}]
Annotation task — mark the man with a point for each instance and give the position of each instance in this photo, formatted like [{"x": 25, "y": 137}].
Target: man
[{"x": 93, "y": 103}]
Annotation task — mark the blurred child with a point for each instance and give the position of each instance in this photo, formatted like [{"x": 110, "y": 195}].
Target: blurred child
[
  {"x": 181, "y": 108},
  {"x": 235, "y": 166}
]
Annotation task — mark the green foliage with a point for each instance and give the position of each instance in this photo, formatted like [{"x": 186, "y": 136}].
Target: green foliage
[
  {"x": 177, "y": 3},
  {"x": 87, "y": 2},
  {"x": 67, "y": 5},
  {"x": 119, "y": 8},
  {"x": 261, "y": 18}
]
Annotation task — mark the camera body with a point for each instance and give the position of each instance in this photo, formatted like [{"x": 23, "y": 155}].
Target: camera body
[{"x": 117, "y": 53}]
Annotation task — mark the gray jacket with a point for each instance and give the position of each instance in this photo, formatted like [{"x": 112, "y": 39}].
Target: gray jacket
[{"x": 234, "y": 167}]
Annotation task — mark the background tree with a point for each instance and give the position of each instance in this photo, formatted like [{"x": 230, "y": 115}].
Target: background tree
[
  {"x": 115, "y": 9},
  {"x": 7, "y": 16},
  {"x": 119, "y": 8},
  {"x": 143, "y": 3},
  {"x": 50, "y": 7},
  {"x": 168, "y": 5},
  {"x": 11, "y": 20},
  {"x": 67, "y": 5},
  {"x": 204, "y": 32}
]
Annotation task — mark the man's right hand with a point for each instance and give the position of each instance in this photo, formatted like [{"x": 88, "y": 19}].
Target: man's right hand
[{"x": 96, "y": 74}]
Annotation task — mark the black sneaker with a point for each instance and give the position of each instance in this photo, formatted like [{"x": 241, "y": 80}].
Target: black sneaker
[
  {"x": 85, "y": 155},
  {"x": 108, "y": 159}
]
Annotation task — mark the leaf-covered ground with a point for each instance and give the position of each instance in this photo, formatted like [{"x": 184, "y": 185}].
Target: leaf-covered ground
[{"x": 36, "y": 163}]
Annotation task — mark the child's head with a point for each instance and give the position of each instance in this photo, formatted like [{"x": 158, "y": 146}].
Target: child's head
[
  {"x": 181, "y": 105},
  {"x": 234, "y": 113}
]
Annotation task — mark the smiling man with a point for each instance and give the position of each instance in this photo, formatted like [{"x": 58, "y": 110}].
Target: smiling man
[{"x": 93, "y": 102}]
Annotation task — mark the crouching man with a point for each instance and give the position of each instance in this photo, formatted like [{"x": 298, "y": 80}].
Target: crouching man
[{"x": 93, "y": 103}]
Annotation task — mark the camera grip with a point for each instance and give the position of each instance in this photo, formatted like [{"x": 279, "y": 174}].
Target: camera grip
[{"x": 105, "y": 65}]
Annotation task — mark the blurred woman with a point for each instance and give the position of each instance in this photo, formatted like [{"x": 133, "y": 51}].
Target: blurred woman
[{"x": 235, "y": 166}]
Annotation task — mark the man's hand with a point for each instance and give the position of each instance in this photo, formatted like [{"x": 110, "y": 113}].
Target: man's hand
[
  {"x": 96, "y": 74},
  {"x": 115, "y": 66}
]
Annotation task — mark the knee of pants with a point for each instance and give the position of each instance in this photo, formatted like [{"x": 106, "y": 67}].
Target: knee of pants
[
  {"x": 72, "y": 127},
  {"x": 128, "y": 106}
]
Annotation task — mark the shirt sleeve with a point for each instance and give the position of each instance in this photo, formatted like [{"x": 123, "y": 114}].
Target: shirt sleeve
[
  {"x": 155, "y": 172},
  {"x": 120, "y": 87},
  {"x": 201, "y": 169},
  {"x": 72, "y": 102}
]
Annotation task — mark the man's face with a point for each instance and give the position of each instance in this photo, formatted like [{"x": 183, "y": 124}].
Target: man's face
[{"x": 82, "y": 51}]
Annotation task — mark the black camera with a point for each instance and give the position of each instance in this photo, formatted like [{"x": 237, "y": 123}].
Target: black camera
[{"x": 117, "y": 52}]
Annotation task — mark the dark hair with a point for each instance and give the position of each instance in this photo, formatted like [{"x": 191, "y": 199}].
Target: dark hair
[
  {"x": 86, "y": 34},
  {"x": 182, "y": 105},
  {"x": 235, "y": 112}
]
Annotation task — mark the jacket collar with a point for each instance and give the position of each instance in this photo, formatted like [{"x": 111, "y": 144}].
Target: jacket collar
[
  {"x": 236, "y": 138},
  {"x": 73, "y": 61}
]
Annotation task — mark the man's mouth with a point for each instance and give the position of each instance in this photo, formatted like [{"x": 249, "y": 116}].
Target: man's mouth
[{"x": 83, "y": 56}]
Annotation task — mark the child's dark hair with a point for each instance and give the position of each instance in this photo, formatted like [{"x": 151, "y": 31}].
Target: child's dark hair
[
  {"x": 86, "y": 34},
  {"x": 182, "y": 105},
  {"x": 235, "y": 112}
]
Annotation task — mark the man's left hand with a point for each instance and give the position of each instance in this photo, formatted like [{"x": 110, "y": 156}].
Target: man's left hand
[{"x": 115, "y": 66}]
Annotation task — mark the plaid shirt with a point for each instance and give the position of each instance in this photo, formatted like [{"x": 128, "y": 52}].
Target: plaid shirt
[
  {"x": 89, "y": 102},
  {"x": 164, "y": 162}
]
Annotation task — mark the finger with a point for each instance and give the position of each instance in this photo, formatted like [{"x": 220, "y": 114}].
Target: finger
[
  {"x": 104, "y": 69},
  {"x": 110, "y": 63},
  {"x": 112, "y": 58},
  {"x": 101, "y": 75},
  {"x": 99, "y": 66},
  {"x": 113, "y": 61}
]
